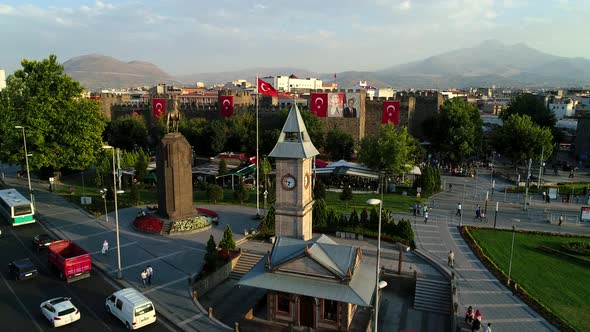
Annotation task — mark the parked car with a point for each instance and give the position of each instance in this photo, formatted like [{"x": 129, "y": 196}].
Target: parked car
[
  {"x": 22, "y": 269},
  {"x": 131, "y": 307},
  {"x": 41, "y": 241},
  {"x": 60, "y": 311}
]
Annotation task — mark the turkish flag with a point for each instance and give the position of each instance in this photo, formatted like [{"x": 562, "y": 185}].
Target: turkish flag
[
  {"x": 390, "y": 112},
  {"x": 135, "y": 113},
  {"x": 319, "y": 104},
  {"x": 158, "y": 107},
  {"x": 227, "y": 106},
  {"x": 266, "y": 89}
]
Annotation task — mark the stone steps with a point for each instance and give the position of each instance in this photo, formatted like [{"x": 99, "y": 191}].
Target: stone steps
[
  {"x": 433, "y": 296},
  {"x": 245, "y": 263}
]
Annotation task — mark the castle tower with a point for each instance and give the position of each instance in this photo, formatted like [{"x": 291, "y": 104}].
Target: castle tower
[{"x": 293, "y": 155}]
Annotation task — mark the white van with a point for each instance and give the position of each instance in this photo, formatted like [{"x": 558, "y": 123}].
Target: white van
[{"x": 131, "y": 307}]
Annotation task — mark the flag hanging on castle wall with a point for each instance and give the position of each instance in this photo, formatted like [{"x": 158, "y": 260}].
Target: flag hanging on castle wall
[
  {"x": 319, "y": 104},
  {"x": 227, "y": 106},
  {"x": 390, "y": 112},
  {"x": 135, "y": 113},
  {"x": 265, "y": 88},
  {"x": 158, "y": 107}
]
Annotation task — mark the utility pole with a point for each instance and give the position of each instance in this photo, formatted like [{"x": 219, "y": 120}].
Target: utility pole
[
  {"x": 496, "y": 214},
  {"x": 526, "y": 190},
  {"x": 541, "y": 167}
]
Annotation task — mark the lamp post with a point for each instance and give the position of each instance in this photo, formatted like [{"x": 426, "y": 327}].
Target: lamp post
[
  {"x": 511, "y": 252},
  {"x": 375, "y": 201},
  {"x": 27, "y": 164},
  {"x": 103, "y": 193},
  {"x": 119, "y": 275}
]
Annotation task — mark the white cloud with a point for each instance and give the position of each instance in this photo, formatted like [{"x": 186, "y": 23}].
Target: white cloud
[
  {"x": 259, "y": 6},
  {"x": 405, "y": 5},
  {"x": 512, "y": 4},
  {"x": 6, "y": 10}
]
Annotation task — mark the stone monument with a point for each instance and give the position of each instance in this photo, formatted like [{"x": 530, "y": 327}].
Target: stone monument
[{"x": 173, "y": 163}]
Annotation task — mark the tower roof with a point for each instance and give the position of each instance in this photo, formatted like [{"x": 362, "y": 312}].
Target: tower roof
[{"x": 294, "y": 141}]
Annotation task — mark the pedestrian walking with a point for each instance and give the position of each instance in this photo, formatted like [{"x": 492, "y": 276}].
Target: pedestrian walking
[
  {"x": 459, "y": 207},
  {"x": 451, "y": 259},
  {"x": 415, "y": 208},
  {"x": 425, "y": 208},
  {"x": 105, "y": 247},
  {"x": 425, "y": 216},
  {"x": 419, "y": 211},
  {"x": 450, "y": 187},
  {"x": 150, "y": 273},
  {"x": 487, "y": 328},
  {"x": 561, "y": 217},
  {"x": 478, "y": 315},
  {"x": 143, "y": 276},
  {"x": 544, "y": 197},
  {"x": 469, "y": 316},
  {"x": 476, "y": 325}
]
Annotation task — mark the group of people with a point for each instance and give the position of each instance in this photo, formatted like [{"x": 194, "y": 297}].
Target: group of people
[
  {"x": 474, "y": 320},
  {"x": 418, "y": 209},
  {"x": 146, "y": 276}
]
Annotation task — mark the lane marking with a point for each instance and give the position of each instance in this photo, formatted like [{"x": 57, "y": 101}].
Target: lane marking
[
  {"x": 190, "y": 319},
  {"x": 483, "y": 291},
  {"x": 165, "y": 285},
  {"x": 113, "y": 248},
  {"x": 72, "y": 225},
  {"x": 22, "y": 305},
  {"x": 432, "y": 244},
  {"x": 155, "y": 259},
  {"x": 476, "y": 280},
  {"x": 470, "y": 269},
  {"x": 498, "y": 305},
  {"x": 93, "y": 235}
]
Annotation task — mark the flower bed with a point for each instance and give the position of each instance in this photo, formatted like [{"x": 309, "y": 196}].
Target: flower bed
[
  {"x": 189, "y": 224},
  {"x": 212, "y": 215},
  {"x": 148, "y": 224}
]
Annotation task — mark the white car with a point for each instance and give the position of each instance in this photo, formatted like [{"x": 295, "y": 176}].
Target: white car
[{"x": 60, "y": 311}]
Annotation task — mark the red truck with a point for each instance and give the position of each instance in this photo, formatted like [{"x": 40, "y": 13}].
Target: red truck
[{"x": 70, "y": 260}]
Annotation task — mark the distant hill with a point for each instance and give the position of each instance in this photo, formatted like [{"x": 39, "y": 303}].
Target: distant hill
[
  {"x": 489, "y": 63},
  {"x": 96, "y": 72}
]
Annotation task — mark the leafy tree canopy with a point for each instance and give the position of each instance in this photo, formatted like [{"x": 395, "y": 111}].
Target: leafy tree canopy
[
  {"x": 127, "y": 132},
  {"x": 533, "y": 106},
  {"x": 63, "y": 129},
  {"x": 392, "y": 151},
  {"x": 457, "y": 131},
  {"x": 520, "y": 139},
  {"x": 339, "y": 144}
]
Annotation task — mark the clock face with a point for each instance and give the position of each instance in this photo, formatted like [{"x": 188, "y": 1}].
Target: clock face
[
  {"x": 306, "y": 180},
  {"x": 288, "y": 182}
]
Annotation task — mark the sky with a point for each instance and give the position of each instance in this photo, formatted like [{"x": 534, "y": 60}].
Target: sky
[{"x": 194, "y": 36}]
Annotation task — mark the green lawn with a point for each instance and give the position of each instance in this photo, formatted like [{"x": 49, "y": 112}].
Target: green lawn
[
  {"x": 393, "y": 202},
  {"x": 559, "y": 283}
]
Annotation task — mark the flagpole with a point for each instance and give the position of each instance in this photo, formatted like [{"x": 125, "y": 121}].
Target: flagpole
[{"x": 257, "y": 161}]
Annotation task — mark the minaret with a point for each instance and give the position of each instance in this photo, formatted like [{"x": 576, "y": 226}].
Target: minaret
[{"x": 293, "y": 155}]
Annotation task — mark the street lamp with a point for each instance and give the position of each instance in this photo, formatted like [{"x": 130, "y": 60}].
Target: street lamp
[
  {"x": 27, "y": 163},
  {"x": 103, "y": 193},
  {"x": 511, "y": 251},
  {"x": 375, "y": 201},
  {"x": 119, "y": 275}
]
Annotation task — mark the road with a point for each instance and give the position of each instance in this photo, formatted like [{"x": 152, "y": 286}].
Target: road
[{"x": 19, "y": 307}]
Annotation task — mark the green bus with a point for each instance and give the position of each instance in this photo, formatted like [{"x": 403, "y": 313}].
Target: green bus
[{"x": 15, "y": 208}]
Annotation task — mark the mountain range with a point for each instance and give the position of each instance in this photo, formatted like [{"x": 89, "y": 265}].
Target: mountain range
[{"x": 488, "y": 63}]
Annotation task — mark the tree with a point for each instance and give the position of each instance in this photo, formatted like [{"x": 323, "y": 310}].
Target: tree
[
  {"x": 430, "y": 180},
  {"x": 214, "y": 193},
  {"x": 127, "y": 132},
  {"x": 533, "y": 106},
  {"x": 63, "y": 129},
  {"x": 211, "y": 253},
  {"x": 457, "y": 131},
  {"x": 320, "y": 214},
  {"x": 333, "y": 219},
  {"x": 222, "y": 170},
  {"x": 346, "y": 195},
  {"x": 405, "y": 230},
  {"x": 217, "y": 136},
  {"x": 364, "y": 217},
  {"x": 520, "y": 139},
  {"x": 391, "y": 151},
  {"x": 339, "y": 144},
  {"x": 315, "y": 129},
  {"x": 267, "y": 225},
  {"x": 241, "y": 194},
  {"x": 374, "y": 218},
  {"x": 141, "y": 165},
  {"x": 319, "y": 190},
  {"x": 227, "y": 241},
  {"x": 353, "y": 220}
]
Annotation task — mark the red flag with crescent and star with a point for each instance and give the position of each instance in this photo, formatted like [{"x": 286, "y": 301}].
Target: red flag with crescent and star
[
  {"x": 390, "y": 112},
  {"x": 319, "y": 104},
  {"x": 227, "y": 106},
  {"x": 158, "y": 107},
  {"x": 266, "y": 89}
]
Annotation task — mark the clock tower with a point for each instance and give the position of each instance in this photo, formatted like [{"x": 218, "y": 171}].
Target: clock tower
[{"x": 293, "y": 155}]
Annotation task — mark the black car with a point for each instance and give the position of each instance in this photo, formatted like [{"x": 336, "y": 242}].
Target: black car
[
  {"x": 41, "y": 241},
  {"x": 22, "y": 269}
]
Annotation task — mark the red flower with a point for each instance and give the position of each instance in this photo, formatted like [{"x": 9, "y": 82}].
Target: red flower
[{"x": 148, "y": 223}]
